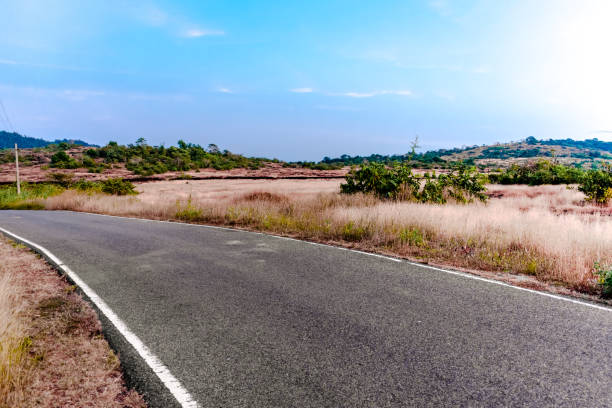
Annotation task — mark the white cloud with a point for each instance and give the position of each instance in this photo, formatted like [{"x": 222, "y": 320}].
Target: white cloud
[
  {"x": 224, "y": 90},
  {"x": 197, "y": 32},
  {"x": 301, "y": 90},
  {"x": 338, "y": 108},
  {"x": 359, "y": 94},
  {"x": 173, "y": 23},
  {"x": 402, "y": 92}
]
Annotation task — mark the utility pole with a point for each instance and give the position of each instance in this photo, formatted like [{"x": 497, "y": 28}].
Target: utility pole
[{"x": 17, "y": 169}]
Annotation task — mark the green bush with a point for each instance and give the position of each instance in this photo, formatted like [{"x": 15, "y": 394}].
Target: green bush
[
  {"x": 61, "y": 160},
  {"x": 383, "y": 181},
  {"x": 463, "y": 184},
  {"x": 537, "y": 173},
  {"x": 597, "y": 184},
  {"x": 412, "y": 236},
  {"x": 63, "y": 179},
  {"x": 117, "y": 186},
  {"x": 604, "y": 278}
]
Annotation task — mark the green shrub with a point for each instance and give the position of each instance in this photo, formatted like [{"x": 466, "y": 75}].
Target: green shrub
[
  {"x": 381, "y": 180},
  {"x": 463, "y": 183},
  {"x": 597, "y": 184},
  {"x": 351, "y": 232},
  {"x": 189, "y": 212},
  {"x": 412, "y": 236},
  {"x": 87, "y": 186},
  {"x": 61, "y": 160},
  {"x": 604, "y": 278},
  {"x": 537, "y": 173},
  {"x": 63, "y": 179},
  {"x": 117, "y": 186}
]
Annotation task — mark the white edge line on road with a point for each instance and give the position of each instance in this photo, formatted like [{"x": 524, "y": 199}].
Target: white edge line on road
[
  {"x": 456, "y": 273},
  {"x": 163, "y": 373}
]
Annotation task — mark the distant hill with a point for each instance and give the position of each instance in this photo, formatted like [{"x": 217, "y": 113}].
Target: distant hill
[
  {"x": 566, "y": 151},
  {"x": 8, "y": 140}
]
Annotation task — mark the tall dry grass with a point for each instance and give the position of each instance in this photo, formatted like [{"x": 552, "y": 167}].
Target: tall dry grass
[
  {"x": 51, "y": 350},
  {"x": 15, "y": 363},
  {"x": 544, "y": 231}
]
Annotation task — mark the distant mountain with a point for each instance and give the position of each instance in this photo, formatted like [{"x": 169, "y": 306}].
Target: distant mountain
[
  {"x": 567, "y": 151},
  {"x": 8, "y": 140}
]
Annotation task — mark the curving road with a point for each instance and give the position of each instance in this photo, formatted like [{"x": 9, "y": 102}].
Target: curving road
[{"x": 251, "y": 320}]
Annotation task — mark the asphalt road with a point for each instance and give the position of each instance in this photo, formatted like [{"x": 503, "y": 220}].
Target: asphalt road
[{"x": 250, "y": 320}]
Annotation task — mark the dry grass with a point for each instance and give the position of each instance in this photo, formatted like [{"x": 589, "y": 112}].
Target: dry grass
[
  {"x": 547, "y": 231},
  {"x": 52, "y": 353}
]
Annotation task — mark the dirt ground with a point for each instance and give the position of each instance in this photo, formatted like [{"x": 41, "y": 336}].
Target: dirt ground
[
  {"x": 52, "y": 353},
  {"x": 214, "y": 190},
  {"x": 35, "y": 173}
]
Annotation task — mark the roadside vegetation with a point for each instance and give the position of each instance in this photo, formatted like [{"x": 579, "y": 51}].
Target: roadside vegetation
[
  {"x": 548, "y": 232},
  {"x": 52, "y": 353},
  {"x": 559, "y": 230},
  {"x": 33, "y": 194}
]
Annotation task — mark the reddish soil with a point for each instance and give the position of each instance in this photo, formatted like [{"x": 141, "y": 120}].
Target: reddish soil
[{"x": 35, "y": 173}]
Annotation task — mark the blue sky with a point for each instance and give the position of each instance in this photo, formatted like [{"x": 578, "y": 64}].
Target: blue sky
[{"x": 301, "y": 80}]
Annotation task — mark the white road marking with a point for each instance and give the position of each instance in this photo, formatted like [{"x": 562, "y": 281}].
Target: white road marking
[
  {"x": 456, "y": 273},
  {"x": 172, "y": 384}
]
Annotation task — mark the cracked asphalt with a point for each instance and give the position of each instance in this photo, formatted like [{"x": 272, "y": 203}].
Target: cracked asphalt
[{"x": 252, "y": 320}]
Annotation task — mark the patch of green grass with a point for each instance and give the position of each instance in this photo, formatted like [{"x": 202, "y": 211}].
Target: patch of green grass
[
  {"x": 30, "y": 193},
  {"x": 604, "y": 278},
  {"x": 188, "y": 212},
  {"x": 352, "y": 232},
  {"x": 412, "y": 237}
]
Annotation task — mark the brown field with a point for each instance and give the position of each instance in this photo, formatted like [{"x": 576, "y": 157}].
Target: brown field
[
  {"x": 52, "y": 353},
  {"x": 37, "y": 172},
  {"x": 544, "y": 234}
]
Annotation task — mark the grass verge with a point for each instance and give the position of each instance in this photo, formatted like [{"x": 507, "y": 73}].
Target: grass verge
[
  {"x": 52, "y": 353},
  {"x": 538, "y": 232}
]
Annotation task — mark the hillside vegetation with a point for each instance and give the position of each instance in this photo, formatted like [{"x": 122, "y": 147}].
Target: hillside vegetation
[
  {"x": 146, "y": 160},
  {"x": 8, "y": 140},
  {"x": 139, "y": 158},
  {"x": 567, "y": 151}
]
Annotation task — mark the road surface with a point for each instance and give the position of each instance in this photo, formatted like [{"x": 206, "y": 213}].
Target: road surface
[{"x": 251, "y": 320}]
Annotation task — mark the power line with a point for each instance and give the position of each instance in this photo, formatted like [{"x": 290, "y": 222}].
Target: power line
[
  {"x": 11, "y": 128},
  {"x": 3, "y": 121}
]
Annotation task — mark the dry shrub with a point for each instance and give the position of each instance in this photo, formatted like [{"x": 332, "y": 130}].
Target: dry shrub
[{"x": 263, "y": 196}]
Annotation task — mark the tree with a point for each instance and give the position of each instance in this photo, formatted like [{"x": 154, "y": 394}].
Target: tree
[{"x": 213, "y": 148}]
